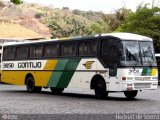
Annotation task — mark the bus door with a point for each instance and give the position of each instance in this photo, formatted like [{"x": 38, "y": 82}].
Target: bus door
[{"x": 110, "y": 58}]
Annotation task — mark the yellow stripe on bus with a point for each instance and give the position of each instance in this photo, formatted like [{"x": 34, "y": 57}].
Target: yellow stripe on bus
[
  {"x": 154, "y": 72},
  {"x": 14, "y": 77},
  {"x": 42, "y": 77}
]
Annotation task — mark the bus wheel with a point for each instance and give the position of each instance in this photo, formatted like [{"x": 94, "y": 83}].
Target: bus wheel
[
  {"x": 56, "y": 90},
  {"x": 130, "y": 94},
  {"x": 100, "y": 89},
  {"x": 30, "y": 85}
]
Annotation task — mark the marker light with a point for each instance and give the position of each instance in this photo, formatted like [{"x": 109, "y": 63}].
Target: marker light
[{"x": 123, "y": 78}]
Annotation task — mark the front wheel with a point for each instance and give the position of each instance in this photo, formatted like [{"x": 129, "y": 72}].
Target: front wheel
[
  {"x": 130, "y": 94},
  {"x": 30, "y": 85},
  {"x": 100, "y": 89},
  {"x": 56, "y": 90}
]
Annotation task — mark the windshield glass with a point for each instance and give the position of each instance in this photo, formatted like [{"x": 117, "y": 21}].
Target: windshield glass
[
  {"x": 147, "y": 53},
  {"x": 137, "y": 54},
  {"x": 131, "y": 54}
]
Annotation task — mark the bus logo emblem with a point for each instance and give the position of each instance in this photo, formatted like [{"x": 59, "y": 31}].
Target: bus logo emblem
[{"x": 88, "y": 64}]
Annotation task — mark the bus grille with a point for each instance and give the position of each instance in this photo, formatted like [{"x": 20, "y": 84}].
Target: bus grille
[{"x": 142, "y": 85}]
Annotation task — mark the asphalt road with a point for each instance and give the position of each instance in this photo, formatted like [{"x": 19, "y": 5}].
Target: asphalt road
[{"x": 15, "y": 100}]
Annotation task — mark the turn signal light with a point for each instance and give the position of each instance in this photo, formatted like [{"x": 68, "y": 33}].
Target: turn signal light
[{"x": 123, "y": 78}]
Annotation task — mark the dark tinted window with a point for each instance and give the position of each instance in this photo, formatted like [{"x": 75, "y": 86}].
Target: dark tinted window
[
  {"x": 51, "y": 50},
  {"x": 68, "y": 49},
  {"x": 87, "y": 48},
  {"x": 158, "y": 60},
  {"x": 9, "y": 53},
  {"x": 36, "y": 51},
  {"x": 109, "y": 51},
  {"x": 22, "y": 52}
]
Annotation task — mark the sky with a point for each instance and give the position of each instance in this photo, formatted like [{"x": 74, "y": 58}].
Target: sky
[{"x": 105, "y": 6}]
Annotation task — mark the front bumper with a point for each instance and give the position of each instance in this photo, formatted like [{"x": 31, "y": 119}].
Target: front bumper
[{"x": 140, "y": 85}]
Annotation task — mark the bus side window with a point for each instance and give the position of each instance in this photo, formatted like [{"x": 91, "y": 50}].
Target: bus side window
[
  {"x": 51, "y": 50},
  {"x": 36, "y": 51},
  {"x": 22, "y": 52},
  {"x": 9, "y": 53},
  {"x": 68, "y": 49},
  {"x": 87, "y": 48},
  {"x": 18, "y": 53},
  {"x": 5, "y": 51}
]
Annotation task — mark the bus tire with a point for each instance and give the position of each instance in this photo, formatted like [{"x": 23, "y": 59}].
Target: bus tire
[
  {"x": 130, "y": 94},
  {"x": 56, "y": 90},
  {"x": 30, "y": 85},
  {"x": 100, "y": 89}
]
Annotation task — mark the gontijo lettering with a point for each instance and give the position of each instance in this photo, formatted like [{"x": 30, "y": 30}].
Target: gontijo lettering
[{"x": 29, "y": 65}]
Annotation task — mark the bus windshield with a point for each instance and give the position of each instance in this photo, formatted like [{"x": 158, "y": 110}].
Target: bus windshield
[{"x": 138, "y": 54}]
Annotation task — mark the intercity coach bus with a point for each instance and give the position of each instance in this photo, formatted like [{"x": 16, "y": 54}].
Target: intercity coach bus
[{"x": 114, "y": 62}]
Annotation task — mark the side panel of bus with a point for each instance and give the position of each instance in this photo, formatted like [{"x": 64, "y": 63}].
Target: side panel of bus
[{"x": 60, "y": 73}]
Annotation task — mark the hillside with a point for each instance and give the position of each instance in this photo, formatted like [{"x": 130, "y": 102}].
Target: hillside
[
  {"x": 10, "y": 30},
  {"x": 21, "y": 18},
  {"x": 33, "y": 20}
]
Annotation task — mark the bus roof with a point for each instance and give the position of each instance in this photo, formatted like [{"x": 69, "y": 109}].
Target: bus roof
[
  {"x": 128, "y": 36},
  {"x": 123, "y": 36}
]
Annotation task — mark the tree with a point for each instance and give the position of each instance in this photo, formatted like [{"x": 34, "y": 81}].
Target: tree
[
  {"x": 17, "y": 2},
  {"x": 117, "y": 18},
  {"x": 69, "y": 27},
  {"x": 99, "y": 27},
  {"x": 145, "y": 21}
]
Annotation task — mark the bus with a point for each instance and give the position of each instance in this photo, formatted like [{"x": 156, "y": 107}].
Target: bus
[{"x": 113, "y": 62}]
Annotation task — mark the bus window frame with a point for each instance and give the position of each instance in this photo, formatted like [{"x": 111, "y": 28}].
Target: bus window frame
[
  {"x": 21, "y": 56},
  {"x": 68, "y": 42},
  {"x": 42, "y": 54},
  {"x": 51, "y": 43},
  {"x": 43, "y": 57},
  {"x": 88, "y": 40},
  {"x": 9, "y": 47},
  {"x": 118, "y": 46}
]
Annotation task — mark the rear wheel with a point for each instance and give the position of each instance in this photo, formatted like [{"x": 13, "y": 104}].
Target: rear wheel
[
  {"x": 100, "y": 89},
  {"x": 56, "y": 90},
  {"x": 30, "y": 85},
  {"x": 130, "y": 94}
]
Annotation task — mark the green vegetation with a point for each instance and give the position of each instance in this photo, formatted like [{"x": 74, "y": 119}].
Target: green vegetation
[
  {"x": 67, "y": 23},
  {"x": 17, "y": 2},
  {"x": 145, "y": 21}
]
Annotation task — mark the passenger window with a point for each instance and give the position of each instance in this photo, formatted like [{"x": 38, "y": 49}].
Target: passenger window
[
  {"x": 22, "y": 52},
  {"x": 87, "y": 48},
  {"x": 68, "y": 49},
  {"x": 9, "y": 53},
  {"x": 36, "y": 51},
  {"x": 51, "y": 50}
]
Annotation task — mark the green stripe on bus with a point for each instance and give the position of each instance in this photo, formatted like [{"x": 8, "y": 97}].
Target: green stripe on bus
[
  {"x": 57, "y": 72},
  {"x": 68, "y": 73},
  {"x": 146, "y": 71},
  {"x": 63, "y": 73}
]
